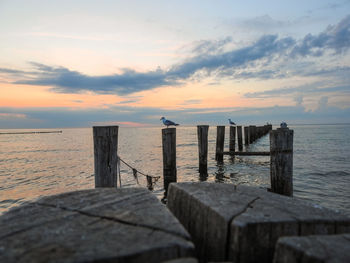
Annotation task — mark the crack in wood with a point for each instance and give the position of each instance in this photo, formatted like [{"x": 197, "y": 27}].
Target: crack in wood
[
  {"x": 24, "y": 229},
  {"x": 249, "y": 205},
  {"x": 118, "y": 220}
]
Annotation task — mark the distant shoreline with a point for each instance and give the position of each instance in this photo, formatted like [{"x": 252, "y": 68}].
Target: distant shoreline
[{"x": 30, "y": 132}]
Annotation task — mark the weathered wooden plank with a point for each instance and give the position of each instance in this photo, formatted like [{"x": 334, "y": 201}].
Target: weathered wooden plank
[
  {"x": 244, "y": 221},
  {"x": 105, "y": 155},
  {"x": 232, "y": 143},
  {"x": 254, "y": 134},
  {"x": 281, "y": 162},
  {"x": 248, "y": 153},
  {"x": 202, "y": 134},
  {"x": 239, "y": 138},
  {"x": 220, "y": 140},
  {"x": 246, "y": 135},
  {"x": 313, "y": 249},
  {"x": 169, "y": 157},
  {"x": 97, "y": 225}
]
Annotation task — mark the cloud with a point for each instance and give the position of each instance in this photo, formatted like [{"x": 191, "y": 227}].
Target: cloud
[
  {"x": 266, "y": 47},
  {"x": 210, "y": 46},
  {"x": 210, "y": 57},
  {"x": 303, "y": 89},
  {"x": 66, "y": 81},
  {"x": 336, "y": 38}
]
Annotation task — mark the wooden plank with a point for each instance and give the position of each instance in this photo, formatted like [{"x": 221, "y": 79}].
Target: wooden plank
[
  {"x": 96, "y": 225},
  {"x": 246, "y": 135},
  {"x": 220, "y": 140},
  {"x": 243, "y": 223},
  {"x": 247, "y": 153},
  {"x": 232, "y": 144},
  {"x": 202, "y": 134},
  {"x": 239, "y": 138},
  {"x": 281, "y": 162},
  {"x": 169, "y": 157},
  {"x": 105, "y": 155}
]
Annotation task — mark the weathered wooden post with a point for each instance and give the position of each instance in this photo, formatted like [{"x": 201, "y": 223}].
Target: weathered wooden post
[
  {"x": 270, "y": 127},
  {"x": 202, "y": 134},
  {"x": 239, "y": 138},
  {"x": 281, "y": 163},
  {"x": 169, "y": 157},
  {"x": 254, "y": 133},
  {"x": 105, "y": 155},
  {"x": 251, "y": 134},
  {"x": 232, "y": 144},
  {"x": 220, "y": 139},
  {"x": 246, "y": 135},
  {"x": 258, "y": 132}
]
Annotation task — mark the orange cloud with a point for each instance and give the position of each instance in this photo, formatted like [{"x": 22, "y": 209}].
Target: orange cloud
[{"x": 20, "y": 96}]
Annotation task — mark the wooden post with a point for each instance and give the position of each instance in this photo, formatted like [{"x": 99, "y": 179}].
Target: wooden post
[
  {"x": 246, "y": 135},
  {"x": 239, "y": 138},
  {"x": 281, "y": 163},
  {"x": 251, "y": 135},
  {"x": 202, "y": 134},
  {"x": 220, "y": 139},
  {"x": 254, "y": 133},
  {"x": 232, "y": 144},
  {"x": 169, "y": 157},
  {"x": 105, "y": 155},
  {"x": 258, "y": 132}
]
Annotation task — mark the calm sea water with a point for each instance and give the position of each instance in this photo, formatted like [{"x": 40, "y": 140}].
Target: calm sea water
[{"x": 35, "y": 165}]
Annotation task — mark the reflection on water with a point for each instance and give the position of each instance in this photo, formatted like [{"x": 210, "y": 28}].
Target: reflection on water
[{"x": 34, "y": 165}]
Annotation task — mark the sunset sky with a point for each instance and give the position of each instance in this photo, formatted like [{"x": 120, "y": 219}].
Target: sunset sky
[{"x": 83, "y": 63}]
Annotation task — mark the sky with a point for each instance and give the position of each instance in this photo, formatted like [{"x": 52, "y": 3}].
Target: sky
[{"x": 83, "y": 63}]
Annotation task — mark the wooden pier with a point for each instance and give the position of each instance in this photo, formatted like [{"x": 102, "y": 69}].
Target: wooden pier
[
  {"x": 281, "y": 152},
  {"x": 202, "y": 222}
]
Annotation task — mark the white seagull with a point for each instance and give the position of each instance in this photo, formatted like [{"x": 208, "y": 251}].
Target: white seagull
[
  {"x": 168, "y": 122},
  {"x": 231, "y": 122}
]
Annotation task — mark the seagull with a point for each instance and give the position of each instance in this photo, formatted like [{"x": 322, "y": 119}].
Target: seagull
[
  {"x": 283, "y": 125},
  {"x": 168, "y": 122},
  {"x": 231, "y": 122}
]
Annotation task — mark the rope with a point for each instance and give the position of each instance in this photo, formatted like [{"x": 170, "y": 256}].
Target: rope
[{"x": 151, "y": 180}]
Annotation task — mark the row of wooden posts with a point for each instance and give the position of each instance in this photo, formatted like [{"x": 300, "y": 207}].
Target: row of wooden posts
[
  {"x": 281, "y": 153},
  {"x": 251, "y": 134}
]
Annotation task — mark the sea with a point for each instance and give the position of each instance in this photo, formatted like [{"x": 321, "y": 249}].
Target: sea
[{"x": 41, "y": 164}]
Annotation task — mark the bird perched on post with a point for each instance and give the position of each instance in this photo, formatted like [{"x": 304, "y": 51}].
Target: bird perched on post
[
  {"x": 168, "y": 122},
  {"x": 283, "y": 125},
  {"x": 231, "y": 122}
]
